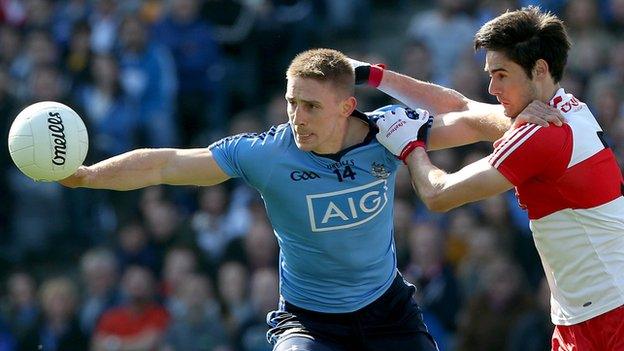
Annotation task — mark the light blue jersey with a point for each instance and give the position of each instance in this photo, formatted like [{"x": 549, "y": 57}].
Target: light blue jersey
[{"x": 332, "y": 215}]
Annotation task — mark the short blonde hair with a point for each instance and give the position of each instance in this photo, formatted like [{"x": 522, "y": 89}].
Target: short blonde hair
[{"x": 325, "y": 65}]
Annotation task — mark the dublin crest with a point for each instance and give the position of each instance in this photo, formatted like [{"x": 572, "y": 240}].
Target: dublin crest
[{"x": 379, "y": 170}]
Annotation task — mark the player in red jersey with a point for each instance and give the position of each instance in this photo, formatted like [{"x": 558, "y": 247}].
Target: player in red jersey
[{"x": 567, "y": 177}]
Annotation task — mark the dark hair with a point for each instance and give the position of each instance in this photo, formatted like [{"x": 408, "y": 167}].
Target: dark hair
[
  {"x": 325, "y": 65},
  {"x": 525, "y": 36}
]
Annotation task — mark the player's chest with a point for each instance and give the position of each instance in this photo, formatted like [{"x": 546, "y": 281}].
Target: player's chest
[
  {"x": 327, "y": 175},
  {"x": 333, "y": 195}
]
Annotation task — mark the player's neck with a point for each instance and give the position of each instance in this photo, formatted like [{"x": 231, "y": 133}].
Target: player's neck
[
  {"x": 356, "y": 132},
  {"x": 353, "y": 132},
  {"x": 548, "y": 92}
]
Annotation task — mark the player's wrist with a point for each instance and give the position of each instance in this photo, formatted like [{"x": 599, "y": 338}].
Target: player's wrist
[
  {"x": 366, "y": 73},
  {"x": 376, "y": 74},
  {"x": 409, "y": 149},
  {"x": 79, "y": 179}
]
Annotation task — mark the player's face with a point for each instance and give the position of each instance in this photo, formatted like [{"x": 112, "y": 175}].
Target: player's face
[
  {"x": 509, "y": 83},
  {"x": 317, "y": 114}
]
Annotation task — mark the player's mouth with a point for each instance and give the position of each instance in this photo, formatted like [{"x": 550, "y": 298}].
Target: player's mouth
[
  {"x": 502, "y": 102},
  {"x": 303, "y": 137}
]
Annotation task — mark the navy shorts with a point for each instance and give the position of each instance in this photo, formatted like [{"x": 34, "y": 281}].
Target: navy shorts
[{"x": 392, "y": 322}]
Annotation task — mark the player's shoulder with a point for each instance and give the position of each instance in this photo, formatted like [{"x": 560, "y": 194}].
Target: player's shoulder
[
  {"x": 568, "y": 104},
  {"x": 531, "y": 135},
  {"x": 279, "y": 135}
]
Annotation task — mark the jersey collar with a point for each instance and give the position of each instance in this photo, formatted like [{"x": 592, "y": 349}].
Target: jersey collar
[
  {"x": 372, "y": 131},
  {"x": 558, "y": 98}
]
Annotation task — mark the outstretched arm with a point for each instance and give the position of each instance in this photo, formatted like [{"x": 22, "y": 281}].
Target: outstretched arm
[
  {"x": 420, "y": 94},
  {"x": 459, "y": 120},
  {"x": 464, "y": 121},
  {"x": 144, "y": 167},
  {"x": 413, "y": 92}
]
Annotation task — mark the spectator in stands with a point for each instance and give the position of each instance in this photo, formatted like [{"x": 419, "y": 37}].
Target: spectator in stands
[
  {"x": 615, "y": 16},
  {"x": 39, "y": 54},
  {"x": 532, "y": 330},
  {"x": 489, "y": 316},
  {"x": 201, "y": 101},
  {"x": 67, "y": 16},
  {"x": 180, "y": 262},
  {"x": 10, "y": 47},
  {"x": 261, "y": 245},
  {"x": 482, "y": 249},
  {"x": 105, "y": 21},
  {"x": 113, "y": 127},
  {"x": 77, "y": 56},
  {"x": 233, "y": 279},
  {"x": 100, "y": 272},
  {"x": 196, "y": 322},
  {"x": 611, "y": 77},
  {"x": 447, "y": 31},
  {"x": 21, "y": 307},
  {"x": 164, "y": 222},
  {"x": 148, "y": 81},
  {"x": 436, "y": 287},
  {"x": 213, "y": 224},
  {"x": 264, "y": 293},
  {"x": 232, "y": 23},
  {"x": 58, "y": 329},
  {"x": 139, "y": 323},
  {"x": 38, "y": 14},
  {"x": 416, "y": 60},
  {"x": 591, "y": 41},
  {"x": 134, "y": 247}
]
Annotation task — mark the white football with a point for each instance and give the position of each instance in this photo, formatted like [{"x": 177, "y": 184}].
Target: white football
[{"x": 48, "y": 141}]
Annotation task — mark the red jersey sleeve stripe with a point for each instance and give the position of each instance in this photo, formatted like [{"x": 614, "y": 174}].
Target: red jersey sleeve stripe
[
  {"x": 508, "y": 137},
  {"x": 515, "y": 140}
]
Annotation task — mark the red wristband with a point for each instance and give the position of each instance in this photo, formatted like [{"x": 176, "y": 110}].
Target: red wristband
[
  {"x": 411, "y": 147},
  {"x": 375, "y": 75}
]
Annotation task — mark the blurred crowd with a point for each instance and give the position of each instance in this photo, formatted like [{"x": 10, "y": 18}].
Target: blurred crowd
[{"x": 194, "y": 268}]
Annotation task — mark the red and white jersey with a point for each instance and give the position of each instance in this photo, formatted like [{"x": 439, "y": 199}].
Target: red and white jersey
[{"x": 569, "y": 181}]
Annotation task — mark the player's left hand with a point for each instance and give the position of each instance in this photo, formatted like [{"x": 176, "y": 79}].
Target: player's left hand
[
  {"x": 401, "y": 130},
  {"x": 538, "y": 113}
]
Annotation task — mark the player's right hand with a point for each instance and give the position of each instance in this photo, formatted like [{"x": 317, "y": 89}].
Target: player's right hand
[
  {"x": 75, "y": 180},
  {"x": 538, "y": 113},
  {"x": 365, "y": 73},
  {"x": 401, "y": 130}
]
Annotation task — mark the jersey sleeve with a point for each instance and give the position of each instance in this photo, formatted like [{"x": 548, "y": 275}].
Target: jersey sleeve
[
  {"x": 246, "y": 155},
  {"x": 530, "y": 151}
]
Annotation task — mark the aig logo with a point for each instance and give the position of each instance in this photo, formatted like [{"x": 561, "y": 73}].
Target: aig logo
[
  {"x": 302, "y": 175},
  {"x": 346, "y": 208}
]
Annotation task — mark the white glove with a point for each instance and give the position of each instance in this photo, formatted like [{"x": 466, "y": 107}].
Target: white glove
[{"x": 401, "y": 130}]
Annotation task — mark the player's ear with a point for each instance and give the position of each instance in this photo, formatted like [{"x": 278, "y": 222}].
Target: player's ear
[
  {"x": 348, "y": 105},
  {"x": 541, "y": 69}
]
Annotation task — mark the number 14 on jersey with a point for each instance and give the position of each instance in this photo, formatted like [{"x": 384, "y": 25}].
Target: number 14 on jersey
[{"x": 347, "y": 172}]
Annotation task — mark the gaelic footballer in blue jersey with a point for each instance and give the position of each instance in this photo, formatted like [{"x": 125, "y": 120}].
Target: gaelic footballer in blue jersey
[{"x": 328, "y": 187}]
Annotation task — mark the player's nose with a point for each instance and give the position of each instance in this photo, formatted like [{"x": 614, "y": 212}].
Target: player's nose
[
  {"x": 493, "y": 88},
  {"x": 298, "y": 116}
]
